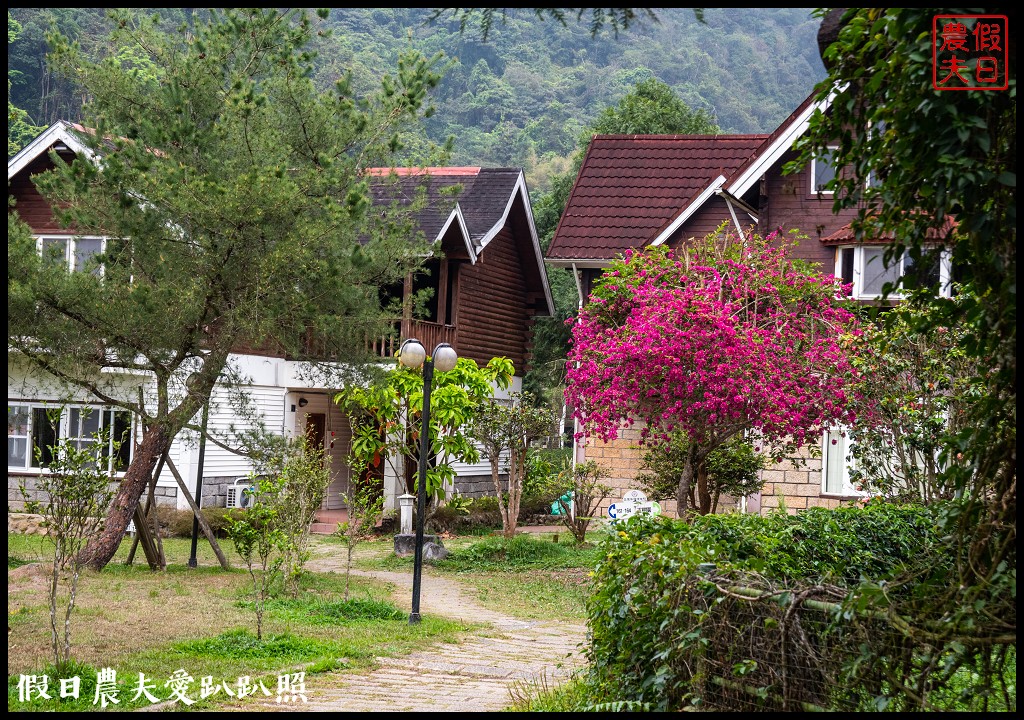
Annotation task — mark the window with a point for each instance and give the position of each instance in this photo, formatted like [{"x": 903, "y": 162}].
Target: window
[
  {"x": 836, "y": 463},
  {"x": 73, "y": 252},
  {"x": 823, "y": 171},
  {"x": 864, "y": 267},
  {"x": 31, "y": 427}
]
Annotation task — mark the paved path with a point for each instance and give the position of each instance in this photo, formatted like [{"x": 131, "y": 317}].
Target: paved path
[{"x": 475, "y": 675}]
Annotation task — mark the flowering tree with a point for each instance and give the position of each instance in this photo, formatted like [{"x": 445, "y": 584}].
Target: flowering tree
[{"x": 727, "y": 337}]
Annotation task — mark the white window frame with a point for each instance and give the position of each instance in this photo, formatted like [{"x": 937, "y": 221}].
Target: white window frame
[
  {"x": 835, "y": 458},
  {"x": 64, "y": 431},
  {"x": 814, "y": 172},
  {"x": 859, "y": 267},
  {"x": 71, "y": 247}
]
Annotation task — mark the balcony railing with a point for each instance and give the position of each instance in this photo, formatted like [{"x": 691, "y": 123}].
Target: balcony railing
[{"x": 428, "y": 333}]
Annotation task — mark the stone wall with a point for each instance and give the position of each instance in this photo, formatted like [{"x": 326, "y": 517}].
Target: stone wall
[
  {"x": 794, "y": 483},
  {"x": 474, "y": 486},
  {"x": 165, "y": 496}
]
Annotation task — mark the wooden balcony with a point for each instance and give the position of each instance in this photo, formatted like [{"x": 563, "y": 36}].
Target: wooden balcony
[{"x": 428, "y": 333}]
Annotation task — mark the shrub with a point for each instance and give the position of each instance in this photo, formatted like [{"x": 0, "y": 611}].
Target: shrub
[
  {"x": 651, "y": 617},
  {"x": 178, "y": 523}
]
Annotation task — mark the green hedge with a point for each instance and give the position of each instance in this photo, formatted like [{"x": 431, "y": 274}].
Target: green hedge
[
  {"x": 644, "y": 623},
  {"x": 178, "y": 523}
]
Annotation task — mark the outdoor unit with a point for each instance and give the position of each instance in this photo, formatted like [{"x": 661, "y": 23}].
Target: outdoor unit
[{"x": 237, "y": 497}]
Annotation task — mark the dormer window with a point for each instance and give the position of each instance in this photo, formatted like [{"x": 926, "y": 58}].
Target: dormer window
[
  {"x": 864, "y": 267},
  {"x": 74, "y": 252},
  {"x": 823, "y": 171}
]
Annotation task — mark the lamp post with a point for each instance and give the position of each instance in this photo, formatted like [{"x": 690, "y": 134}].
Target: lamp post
[{"x": 413, "y": 355}]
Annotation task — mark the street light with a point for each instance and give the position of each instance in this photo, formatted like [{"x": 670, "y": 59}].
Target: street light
[{"x": 413, "y": 355}]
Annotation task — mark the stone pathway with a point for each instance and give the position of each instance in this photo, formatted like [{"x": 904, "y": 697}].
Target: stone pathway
[{"x": 476, "y": 675}]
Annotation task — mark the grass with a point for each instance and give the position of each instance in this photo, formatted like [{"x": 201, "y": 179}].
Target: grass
[
  {"x": 199, "y": 622},
  {"x": 540, "y": 578}
]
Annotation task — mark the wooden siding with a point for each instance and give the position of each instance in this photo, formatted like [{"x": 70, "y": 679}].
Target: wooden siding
[
  {"x": 493, "y": 312},
  {"x": 268, "y": 403},
  {"x": 790, "y": 205},
  {"x": 29, "y": 204},
  {"x": 706, "y": 220}
]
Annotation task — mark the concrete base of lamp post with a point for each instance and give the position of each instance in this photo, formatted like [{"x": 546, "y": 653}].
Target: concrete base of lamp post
[{"x": 433, "y": 548}]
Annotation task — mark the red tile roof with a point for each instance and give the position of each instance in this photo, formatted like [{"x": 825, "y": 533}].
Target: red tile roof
[
  {"x": 632, "y": 186},
  {"x": 846, "y": 236}
]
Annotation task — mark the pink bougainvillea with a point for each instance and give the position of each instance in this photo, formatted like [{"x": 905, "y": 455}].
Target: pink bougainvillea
[{"x": 728, "y": 337}]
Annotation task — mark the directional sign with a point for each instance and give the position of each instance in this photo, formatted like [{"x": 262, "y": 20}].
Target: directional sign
[{"x": 625, "y": 509}]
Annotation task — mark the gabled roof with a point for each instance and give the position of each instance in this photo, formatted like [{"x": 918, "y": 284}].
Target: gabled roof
[
  {"x": 775, "y": 146},
  {"x": 477, "y": 200},
  {"x": 632, "y": 188},
  {"x": 61, "y": 134}
]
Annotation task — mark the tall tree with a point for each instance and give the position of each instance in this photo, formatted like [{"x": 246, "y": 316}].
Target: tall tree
[
  {"x": 926, "y": 165},
  {"x": 20, "y": 129},
  {"x": 234, "y": 199},
  {"x": 728, "y": 338}
]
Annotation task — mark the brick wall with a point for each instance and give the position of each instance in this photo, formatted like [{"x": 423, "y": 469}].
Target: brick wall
[{"x": 794, "y": 483}]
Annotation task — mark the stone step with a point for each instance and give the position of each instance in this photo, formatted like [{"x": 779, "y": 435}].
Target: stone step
[{"x": 319, "y": 528}]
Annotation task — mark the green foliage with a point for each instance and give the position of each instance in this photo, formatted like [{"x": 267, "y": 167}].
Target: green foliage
[
  {"x": 226, "y": 122},
  {"x": 178, "y": 523},
  {"x": 385, "y": 419},
  {"x": 320, "y": 611},
  {"x": 303, "y": 475},
  {"x": 78, "y": 492},
  {"x": 647, "y": 614},
  {"x": 365, "y": 506},
  {"x": 504, "y": 431},
  {"x": 260, "y": 543},
  {"x": 652, "y": 108},
  {"x": 243, "y": 645},
  {"x": 615, "y": 18},
  {"x": 732, "y": 469},
  {"x": 523, "y": 552},
  {"x": 841, "y": 545},
  {"x": 943, "y": 169},
  {"x": 916, "y": 396},
  {"x": 583, "y": 483}
]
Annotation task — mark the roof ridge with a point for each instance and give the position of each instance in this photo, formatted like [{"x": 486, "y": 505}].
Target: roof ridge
[{"x": 402, "y": 172}]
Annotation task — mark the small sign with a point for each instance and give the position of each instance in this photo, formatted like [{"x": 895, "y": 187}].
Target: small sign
[
  {"x": 636, "y": 496},
  {"x": 625, "y": 509}
]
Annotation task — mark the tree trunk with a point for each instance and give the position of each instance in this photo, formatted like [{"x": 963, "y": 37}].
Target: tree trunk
[
  {"x": 496, "y": 478},
  {"x": 683, "y": 509},
  {"x": 516, "y": 470},
  {"x": 101, "y": 548},
  {"x": 703, "y": 494}
]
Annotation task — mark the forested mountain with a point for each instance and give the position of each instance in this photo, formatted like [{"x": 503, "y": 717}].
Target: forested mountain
[{"x": 525, "y": 95}]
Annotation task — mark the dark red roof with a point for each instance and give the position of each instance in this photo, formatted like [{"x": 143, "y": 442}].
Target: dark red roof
[
  {"x": 631, "y": 186},
  {"x": 846, "y": 236}
]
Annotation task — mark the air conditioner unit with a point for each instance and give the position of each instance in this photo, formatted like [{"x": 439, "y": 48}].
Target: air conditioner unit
[{"x": 237, "y": 495}]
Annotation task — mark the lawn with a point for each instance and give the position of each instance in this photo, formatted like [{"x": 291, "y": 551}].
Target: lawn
[{"x": 199, "y": 623}]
